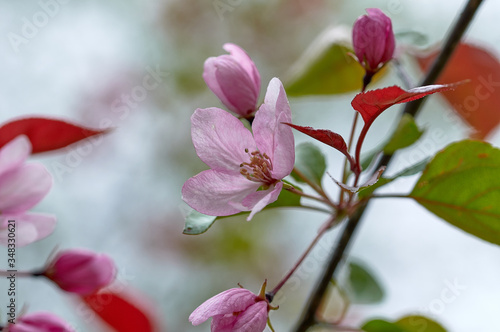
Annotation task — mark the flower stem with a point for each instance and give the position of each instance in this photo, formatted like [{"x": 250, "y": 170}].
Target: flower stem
[
  {"x": 366, "y": 80},
  {"x": 313, "y": 185},
  {"x": 361, "y": 139},
  {"x": 319, "y": 199},
  {"x": 270, "y": 295},
  {"x": 308, "y": 317},
  {"x": 4, "y": 273},
  {"x": 346, "y": 161},
  {"x": 315, "y": 208}
]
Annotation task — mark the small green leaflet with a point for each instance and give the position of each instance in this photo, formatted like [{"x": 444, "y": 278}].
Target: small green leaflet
[
  {"x": 310, "y": 161},
  {"x": 405, "y": 135},
  {"x": 363, "y": 287},
  {"x": 412, "y": 170}
]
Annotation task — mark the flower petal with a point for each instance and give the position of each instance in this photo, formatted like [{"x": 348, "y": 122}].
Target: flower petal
[
  {"x": 271, "y": 135},
  {"x": 217, "y": 193},
  {"x": 373, "y": 38},
  {"x": 260, "y": 199},
  {"x": 223, "y": 323},
  {"x": 220, "y": 139},
  {"x": 236, "y": 85},
  {"x": 14, "y": 153},
  {"x": 29, "y": 227},
  {"x": 253, "y": 319},
  {"x": 24, "y": 187},
  {"x": 229, "y": 81},
  {"x": 244, "y": 60},
  {"x": 227, "y": 302}
]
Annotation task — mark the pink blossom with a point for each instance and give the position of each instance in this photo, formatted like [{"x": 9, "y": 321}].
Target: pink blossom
[
  {"x": 29, "y": 227},
  {"x": 246, "y": 170},
  {"x": 234, "y": 310},
  {"x": 373, "y": 39},
  {"x": 22, "y": 186},
  {"x": 80, "y": 271},
  {"x": 234, "y": 79},
  {"x": 39, "y": 322}
]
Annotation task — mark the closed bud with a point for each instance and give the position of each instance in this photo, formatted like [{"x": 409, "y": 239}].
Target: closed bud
[
  {"x": 373, "y": 40},
  {"x": 234, "y": 310},
  {"x": 234, "y": 79},
  {"x": 80, "y": 271}
]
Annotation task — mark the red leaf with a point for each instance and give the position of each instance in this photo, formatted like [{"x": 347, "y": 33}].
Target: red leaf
[
  {"x": 372, "y": 103},
  {"x": 323, "y": 135},
  {"x": 46, "y": 134},
  {"x": 120, "y": 312},
  {"x": 477, "y": 103}
]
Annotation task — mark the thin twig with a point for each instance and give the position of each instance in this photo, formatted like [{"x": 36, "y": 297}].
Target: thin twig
[{"x": 312, "y": 184}]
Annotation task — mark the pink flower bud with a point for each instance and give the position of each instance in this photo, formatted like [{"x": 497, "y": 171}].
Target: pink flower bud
[
  {"x": 39, "y": 322},
  {"x": 373, "y": 40},
  {"x": 234, "y": 79},
  {"x": 80, "y": 271},
  {"x": 234, "y": 310}
]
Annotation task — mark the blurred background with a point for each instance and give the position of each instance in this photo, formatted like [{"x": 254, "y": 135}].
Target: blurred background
[{"x": 120, "y": 194}]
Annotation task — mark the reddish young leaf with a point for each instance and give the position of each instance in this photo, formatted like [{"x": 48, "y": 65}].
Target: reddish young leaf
[
  {"x": 46, "y": 134},
  {"x": 121, "y": 312},
  {"x": 328, "y": 137},
  {"x": 323, "y": 135},
  {"x": 478, "y": 102},
  {"x": 372, "y": 103}
]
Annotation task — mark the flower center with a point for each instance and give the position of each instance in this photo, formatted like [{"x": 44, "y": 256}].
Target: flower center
[{"x": 258, "y": 169}]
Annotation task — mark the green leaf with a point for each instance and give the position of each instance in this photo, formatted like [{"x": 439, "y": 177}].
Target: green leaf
[
  {"x": 419, "y": 324},
  {"x": 363, "y": 287},
  {"x": 462, "y": 186},
  {"x": 379, "y": 325},
  {"x": 405, "y": 324},
  {"x": 405, "y": 135},
  {"x": 326, "y": 68},
  {"x": 198, "y": 223},
  {"x": 412, "y": 170},
  {"x": 310, "y": 161}
]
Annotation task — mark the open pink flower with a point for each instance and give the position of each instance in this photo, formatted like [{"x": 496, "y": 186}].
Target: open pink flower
[
  {"x": 80, "y": 271},
  {"x": 246, "y": 170},
  {"x": 234, "y": 79},
  {"x": 234, "y": 310},
  {"x": 39, "y": 322},
  {"x": 373, "y": 39},
  {"x": 22, "y": 186}
]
